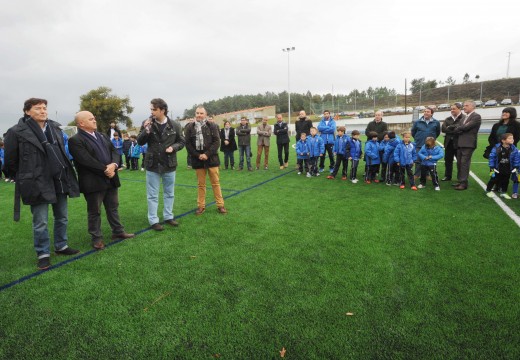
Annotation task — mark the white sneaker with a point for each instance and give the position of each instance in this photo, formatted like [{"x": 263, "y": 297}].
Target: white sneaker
[
  {"x": 421, "y": 186},
  {"x": 309, "y": 174},
  {"x": 514, "y": 196},
  {"x": 490, "y": 194},
  {"x": 354, "y": 181},
  {"x": 318, "y": 174},
  {"x": 505, "y": 196},
  {"x": 299, "y": 172},
  {"x": 437, "y": 188}
]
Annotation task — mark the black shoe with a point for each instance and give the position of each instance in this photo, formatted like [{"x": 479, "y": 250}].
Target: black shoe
[
  {"x": 157, "y": 227},
  {"x": 122, "y": 235},
  {"x": 44, "y": 263},
  {"x": 67, "y": 251},
  {"x": 455, "y": 184},
  {"x": 172, "y": 222},
  {"x": 446, "y": 178}
]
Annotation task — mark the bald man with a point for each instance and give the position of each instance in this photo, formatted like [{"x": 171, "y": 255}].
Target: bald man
[{"x": 96, "y": 160}]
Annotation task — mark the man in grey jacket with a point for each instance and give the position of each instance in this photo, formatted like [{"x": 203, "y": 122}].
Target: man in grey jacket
[{"x": 467, "y": 132}]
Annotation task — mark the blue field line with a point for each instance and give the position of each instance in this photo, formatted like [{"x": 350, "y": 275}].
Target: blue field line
[{"x": 137, "y": 233}]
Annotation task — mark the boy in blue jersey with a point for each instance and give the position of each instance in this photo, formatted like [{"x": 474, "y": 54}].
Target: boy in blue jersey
[
  {"x": 340, "y": 150},
  {"x": 392, "y": 170},
  {"x": 316, "y": 150},
  {"x": 405, "y": 155},
  {"x": 429, "y": 154},
  {"x": 302, "y": 154},
  {"x": 354, "y": 153},
  {"x": 372, "y": 158}
]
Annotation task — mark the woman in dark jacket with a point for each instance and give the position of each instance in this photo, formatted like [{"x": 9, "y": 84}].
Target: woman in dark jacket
[
  {"x": 228, "y": 144},
  {"x": 507, "y": 124}
]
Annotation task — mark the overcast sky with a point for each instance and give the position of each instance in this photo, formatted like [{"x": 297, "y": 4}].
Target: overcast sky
[{"x": 188, "y": 52}]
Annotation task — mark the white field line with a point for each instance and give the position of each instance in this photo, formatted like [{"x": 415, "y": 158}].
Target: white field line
[{"x": 499, "y": 201}]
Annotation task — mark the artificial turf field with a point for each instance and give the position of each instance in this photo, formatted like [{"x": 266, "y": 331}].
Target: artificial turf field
[{"x": 421, "y": 274}]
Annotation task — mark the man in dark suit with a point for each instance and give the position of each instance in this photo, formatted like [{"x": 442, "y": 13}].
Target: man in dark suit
[
  {"x": 450, "y": 138},
  {"x": 96, "y": 160},
  {"x": 281, "y": 130},
  {"x": 467, "y": 133}
]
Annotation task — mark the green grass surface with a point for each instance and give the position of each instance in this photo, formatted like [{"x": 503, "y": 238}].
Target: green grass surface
[{"x": 426, "y": 275}]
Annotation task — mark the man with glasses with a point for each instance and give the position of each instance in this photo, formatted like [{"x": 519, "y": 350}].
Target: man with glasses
[{"x": 164, "y": 138}]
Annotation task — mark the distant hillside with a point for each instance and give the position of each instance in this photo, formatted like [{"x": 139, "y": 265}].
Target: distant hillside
[{"x": 492, "y": 89}]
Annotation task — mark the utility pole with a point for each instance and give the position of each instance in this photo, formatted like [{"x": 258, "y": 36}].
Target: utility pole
[
  {"x": 405, "y": 99},
  {"x": 288, "y": 51},
  {"x": 508, "y": 62}
]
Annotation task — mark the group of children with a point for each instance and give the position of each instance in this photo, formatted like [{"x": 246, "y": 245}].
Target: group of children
[
  {"x": 131, "y": 151},
  {"x": 394, "y": 158},
  {"x": 391, "y": 156}
]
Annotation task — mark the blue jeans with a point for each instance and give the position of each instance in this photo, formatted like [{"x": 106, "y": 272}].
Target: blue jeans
[
  {"x": 247, "y": 150},
  {"x": 40, "y": 230},
  {"x": 153, "y": 183}
]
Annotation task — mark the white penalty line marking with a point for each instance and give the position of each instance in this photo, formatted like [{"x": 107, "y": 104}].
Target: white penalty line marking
[{"x": 499, "y": 201}]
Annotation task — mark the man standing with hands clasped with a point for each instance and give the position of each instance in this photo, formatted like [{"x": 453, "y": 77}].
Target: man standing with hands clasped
[
  {"x": 164, "y": 138},
  {"x": 202, "y": 143},
  {"x": 96, "y": 159}
]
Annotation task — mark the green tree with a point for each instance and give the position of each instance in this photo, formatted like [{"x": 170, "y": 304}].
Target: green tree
[
  {"x": 450, "y": 81},
  {"x": 107, "y": 107},
  {"x": 422, "y": 85},
  {"x": 466, "y": 79}
]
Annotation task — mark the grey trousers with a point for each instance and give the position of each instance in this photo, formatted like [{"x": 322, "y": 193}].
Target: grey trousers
[
  {"x": 463, "y": 164},
  {"x": 109, "y": 198}
]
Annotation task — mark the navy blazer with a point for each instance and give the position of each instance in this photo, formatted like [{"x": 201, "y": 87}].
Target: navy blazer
[{"x": 91, "y": 171}]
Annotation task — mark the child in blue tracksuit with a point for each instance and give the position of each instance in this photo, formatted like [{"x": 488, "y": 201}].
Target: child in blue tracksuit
[
  {"x": 372, "y": 158},
  {"x": 354, "y": 153},
  {"x": 134, "y": 153},
  {"x": 144, "y": 148},
  {"x": 429, "y": 154},
  {"x": 118, "y": 144},
  {"x": 504, "y": 162},
  {"x": 302, "y": 154},
  {"x": 316, "y": 150},
  {"x": 392, "y": 170},
  {"x": 384, "y": 165},
  {"x": 405, "y": 156},
  {"x": 340, "y": 150}
]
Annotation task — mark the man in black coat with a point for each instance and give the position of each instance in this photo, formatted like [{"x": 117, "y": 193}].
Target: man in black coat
[
  {"x": 450, "y": 138},
  {"x": 35, "y": 156},
  {"x": 164, "y": 138},
  {"x": 281, "y": 131},
  {"x": 96, "y": 160},
  {"x": 202, "y": 143}
]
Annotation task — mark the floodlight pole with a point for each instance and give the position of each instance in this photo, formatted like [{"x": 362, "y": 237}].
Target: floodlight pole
[{"x": 288, "y": 51}]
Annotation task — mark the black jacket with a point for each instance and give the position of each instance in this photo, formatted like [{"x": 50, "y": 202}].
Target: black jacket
[
  {"x": 302, "y": 125},
  {"x": 210, "y": 133},
  {"x": 90, "y": 169},
  {"x": 281, "y": 130},
  {"x": 513, "y": 127},
  {"x": 448, "y": 128},
  {"x": 26, "y": 158},
  {"x": 380, "y": 128},
  {"x": 232, "y": 146},
  {"x": 157, "y": 159}
]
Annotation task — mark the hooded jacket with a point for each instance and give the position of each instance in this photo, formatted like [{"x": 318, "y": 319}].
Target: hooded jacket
[
  {"x": 405, "y": 154},
  {"x": 436, "y": 154}
]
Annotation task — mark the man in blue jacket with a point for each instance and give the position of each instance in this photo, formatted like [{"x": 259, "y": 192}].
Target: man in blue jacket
[
  {"x": 426, "y": 126},
  {"x": 327, "y": 127}
]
